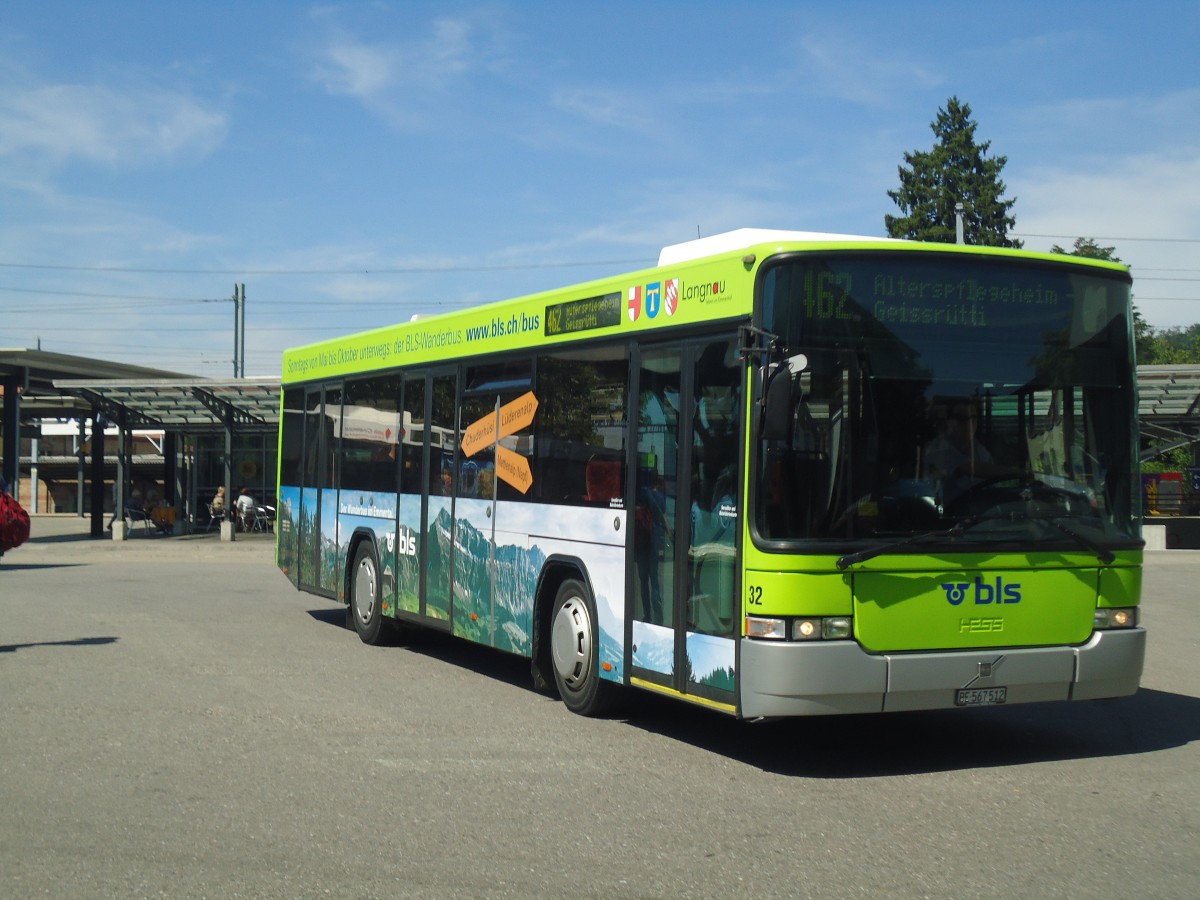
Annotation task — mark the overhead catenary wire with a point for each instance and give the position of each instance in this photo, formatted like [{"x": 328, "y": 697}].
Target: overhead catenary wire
[
  {"x": 401, "y": 270},
  {"x": 1101, "y": 237}
]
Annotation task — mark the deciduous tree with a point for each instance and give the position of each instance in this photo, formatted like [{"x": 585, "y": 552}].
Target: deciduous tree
[{"x": 1086, "y": 246}]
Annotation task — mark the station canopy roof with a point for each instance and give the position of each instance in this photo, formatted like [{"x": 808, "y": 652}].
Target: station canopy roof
[
  {"x": 192, "y": 405},
  {"x": 41, "y": 367},
  {"x": 1168, "y": 391},
  {"x": 1168, "y": 408},
  {"x": 55, "y": 385}
]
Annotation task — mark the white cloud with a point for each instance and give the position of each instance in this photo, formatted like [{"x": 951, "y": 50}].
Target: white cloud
[
  {"x": 1094, "y": 130},
  {"x": 356, "y": 70},
  {"x": 1147, "y": 195},
  {"x": 106, "y": 125},
  {"x": 833, "y": 64},
  {"x": 608, "y": 107},
  {"x": 406, "y": 82},
  {"x": 1146, "y": 206}
]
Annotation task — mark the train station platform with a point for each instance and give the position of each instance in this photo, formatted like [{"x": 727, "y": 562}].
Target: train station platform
[{"x": 57, "y": 535}]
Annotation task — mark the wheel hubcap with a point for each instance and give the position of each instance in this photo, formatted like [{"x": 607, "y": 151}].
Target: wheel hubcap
[
  {"x": 364, "y": 590},
  {"x": 571, "y": 643}
]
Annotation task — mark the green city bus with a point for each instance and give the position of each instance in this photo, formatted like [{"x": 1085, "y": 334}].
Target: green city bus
[{"x": 781, "y": 473}]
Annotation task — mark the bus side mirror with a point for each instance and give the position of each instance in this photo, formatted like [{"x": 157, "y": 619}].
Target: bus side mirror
[{"x": 776, "y": 422}]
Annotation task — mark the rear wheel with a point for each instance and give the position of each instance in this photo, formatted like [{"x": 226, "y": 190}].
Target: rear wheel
[
  {"x": 575, "y": 651},
  {"x": 364, "y": 608}
]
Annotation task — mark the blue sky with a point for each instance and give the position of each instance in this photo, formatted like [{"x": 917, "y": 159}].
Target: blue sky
[{"x": 355, "y": 163}]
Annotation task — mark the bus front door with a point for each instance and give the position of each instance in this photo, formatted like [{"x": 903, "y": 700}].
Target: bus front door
[{"x": 687, "y": 511}]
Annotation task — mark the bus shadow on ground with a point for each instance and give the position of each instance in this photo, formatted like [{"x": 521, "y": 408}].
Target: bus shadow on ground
[
  {"x": 936, "y": 741},
  {"x": 864, "y": 746},
  {"x": 333, "y": 615}
]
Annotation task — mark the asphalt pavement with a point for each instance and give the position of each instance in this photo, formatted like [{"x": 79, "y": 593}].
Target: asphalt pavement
[{"x": 177, "y": 721}]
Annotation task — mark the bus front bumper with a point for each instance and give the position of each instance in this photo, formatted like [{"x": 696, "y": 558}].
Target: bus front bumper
[{"x": 837, "y": 677}]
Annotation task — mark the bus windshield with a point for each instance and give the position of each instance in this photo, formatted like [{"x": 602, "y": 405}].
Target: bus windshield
[{"x": 929, "y": 392}]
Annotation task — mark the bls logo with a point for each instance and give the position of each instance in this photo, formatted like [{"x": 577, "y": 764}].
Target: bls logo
[
  {"x": 405, "y": 544},
  {"x": 983, "y": 593}
]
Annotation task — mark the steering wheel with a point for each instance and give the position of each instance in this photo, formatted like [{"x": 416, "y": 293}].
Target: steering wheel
[{"x": 1028, "y": 487}]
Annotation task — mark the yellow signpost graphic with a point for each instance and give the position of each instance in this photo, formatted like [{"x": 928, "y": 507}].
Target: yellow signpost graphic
[
  {"x": 513, "y": 468},
  {"x": 490, "y": 429},
  {"x": 479, "y": 434},
  {"x": 517, "y": 415}
]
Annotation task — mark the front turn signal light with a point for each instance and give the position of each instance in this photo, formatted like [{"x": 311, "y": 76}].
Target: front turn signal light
[
  {"x": 772, "y": 629},
  {"x": 1108, "y": 619}
]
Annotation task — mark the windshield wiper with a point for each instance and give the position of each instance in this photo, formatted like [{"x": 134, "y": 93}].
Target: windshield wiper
[
  {"x": 1103, "y": 554},
  {"x": 845, "y": 562}
]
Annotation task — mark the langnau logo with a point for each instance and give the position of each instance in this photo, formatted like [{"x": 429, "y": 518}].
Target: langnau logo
[
  {"x": 982, "y": 592},
  {"x": 665, "y": 296},
  {"x": 706, "y": 292}
]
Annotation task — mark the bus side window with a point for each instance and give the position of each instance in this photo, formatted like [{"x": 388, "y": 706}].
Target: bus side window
[{"x": 580, "y": 426}]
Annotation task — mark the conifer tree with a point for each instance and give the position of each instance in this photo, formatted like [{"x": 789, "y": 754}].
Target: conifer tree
[{"x": 956, "y": 170}]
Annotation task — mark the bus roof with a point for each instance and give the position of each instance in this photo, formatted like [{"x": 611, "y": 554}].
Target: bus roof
[{"x": 743, "y": 238}]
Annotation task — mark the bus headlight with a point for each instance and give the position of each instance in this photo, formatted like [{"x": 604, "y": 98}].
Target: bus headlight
[
  {"x": 1106, "y": 619},
  {"x": 815, "y": 628},
  {"x": 837, "y": 628},
  {"x": 806, "y": 630},
  {"x": 829, "y": 628}
]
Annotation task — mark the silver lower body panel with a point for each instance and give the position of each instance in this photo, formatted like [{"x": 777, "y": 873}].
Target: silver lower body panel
[{"x": 805, "y": 679}]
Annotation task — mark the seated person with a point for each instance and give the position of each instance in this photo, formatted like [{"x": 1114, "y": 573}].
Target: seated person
[
  {"x": 246, "y": 506},
  {"x": 955, "y": 456}
]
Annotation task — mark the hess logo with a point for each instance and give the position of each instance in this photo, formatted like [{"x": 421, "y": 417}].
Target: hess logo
[{"x": 982, "y": 592}]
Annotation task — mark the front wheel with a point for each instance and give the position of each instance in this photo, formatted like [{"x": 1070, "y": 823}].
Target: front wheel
[
  {"x": 364, "y": 608},
  {"x": 575, "y": 650}
]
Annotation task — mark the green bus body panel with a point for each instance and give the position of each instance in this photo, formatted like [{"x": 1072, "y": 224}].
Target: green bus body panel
[
  {"x": 1120, "y": 586},
  {"x": 821, "y": 593},
  {"x": 900, "y": 602},
  {"x": 970, "y": 608},
  {"x": 710, "y": 289}
]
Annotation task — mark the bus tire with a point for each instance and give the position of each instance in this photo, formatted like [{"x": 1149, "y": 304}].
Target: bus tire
[
  {"x": 575, "y": 651},
  {"x": 364, "y": 606}
]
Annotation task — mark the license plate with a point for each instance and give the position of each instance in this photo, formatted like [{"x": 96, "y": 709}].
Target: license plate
[{"x": 980, "y": 696}]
